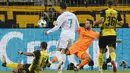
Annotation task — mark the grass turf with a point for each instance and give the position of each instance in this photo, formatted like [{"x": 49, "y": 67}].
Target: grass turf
[{"x": 74, "y": 72}]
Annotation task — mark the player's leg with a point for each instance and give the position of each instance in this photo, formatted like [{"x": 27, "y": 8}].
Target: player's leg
[
  {"x": 85, "y": 57},
  {"x": 71, "y": 58},
  {"x": 57, "y": 57},
  {"x": 101, "y": 59},
  {"x": 23, "y": 69},
  {"x": 62, "y": 45},
  {"x": 102, "y": 45},
  {"x": 15, "y": 70},
  {"x": 71, "y": 51},
  {"x": 54, "y": 60},
  {"x": 112, "y": 47},
  {"x": 62, "y": 58},
  {"x": 17, "y": 67},
  {"x": 10, "y": 65},
  {"x": 112, "y": 53},
  {"x": 65, "y": 44},
  {"x": 19, "y": 70},
  {"x": 113, "y": 58}
]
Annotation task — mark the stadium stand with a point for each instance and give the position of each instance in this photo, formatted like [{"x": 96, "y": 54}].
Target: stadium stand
[{"x": 12, "y": 12}]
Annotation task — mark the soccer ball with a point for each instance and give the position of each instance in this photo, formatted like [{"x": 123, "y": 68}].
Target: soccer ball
[{"x": 42, "y": 23}]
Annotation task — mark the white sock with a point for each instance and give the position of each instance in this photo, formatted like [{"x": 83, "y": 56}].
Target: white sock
[
  {"x": 71, "y": 59},
  {"x": 63, "y": 58},
  {"x": 59, "y": 71},
  {"x": 58, "y": 55}
]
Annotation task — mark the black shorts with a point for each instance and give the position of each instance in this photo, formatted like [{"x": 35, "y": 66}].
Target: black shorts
[
  {"x": 107, "y": 40},
  {"x": 25, "y": 69}
]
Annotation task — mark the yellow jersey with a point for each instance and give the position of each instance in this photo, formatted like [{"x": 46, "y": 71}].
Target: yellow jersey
[
  {"x": 40, "y": 60},
  {"x": 111, "y": 17}
]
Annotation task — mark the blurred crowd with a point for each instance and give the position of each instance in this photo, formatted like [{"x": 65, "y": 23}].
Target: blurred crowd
[{"x": 72, "y": 2}]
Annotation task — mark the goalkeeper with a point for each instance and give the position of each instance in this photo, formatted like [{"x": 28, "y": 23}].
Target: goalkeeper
[{"x": 86, "y": 37}]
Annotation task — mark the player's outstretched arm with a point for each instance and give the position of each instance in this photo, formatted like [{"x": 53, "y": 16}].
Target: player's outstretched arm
[
  {"x": 53, "y": 29},
  {"x": 101, "y": 20},
  {"x": 59, "y": 22},
  {"x": 25, "y": 53},
  {"x": 120, "y": 23}
]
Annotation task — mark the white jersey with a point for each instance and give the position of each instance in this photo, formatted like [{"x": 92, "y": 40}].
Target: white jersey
[{"x": 68, "y": 23}]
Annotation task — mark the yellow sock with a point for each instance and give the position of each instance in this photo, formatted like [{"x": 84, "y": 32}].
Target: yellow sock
[
  {"x": 12, "y": 65},
  {"x": 100, "y": 60},
  {"x": 113, "y": 56}
]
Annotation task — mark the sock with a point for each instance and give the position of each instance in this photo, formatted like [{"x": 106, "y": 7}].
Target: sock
[
  {"x": 63, "y": 57},
  {"x": 59, "y": 71},
  {"x": 113, "y": 56},
  {"x": 62, "y": 61},
  {"x": 84, "y": 62},
  {"x": 12, "y": 65},
  {"x": 58, "y": 55},
  {"x": 100, "y": 60},
  {"x": 71, "y": 59},
  {"x": 54, "y": 59}
]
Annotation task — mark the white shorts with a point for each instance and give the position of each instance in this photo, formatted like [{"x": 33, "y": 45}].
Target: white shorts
[{"x": 64, "y": 42}]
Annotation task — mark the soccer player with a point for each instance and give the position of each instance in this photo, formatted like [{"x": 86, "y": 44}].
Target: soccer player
[
  {"x": 39, "y": 61},
  {"x": 69, "y": 24},
  {"x": 86, "y": 35},
  {"x": 109, "y": 18}
]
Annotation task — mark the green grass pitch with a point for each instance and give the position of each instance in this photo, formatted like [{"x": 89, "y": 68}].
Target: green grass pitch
[{"x": 68, "y": 71}]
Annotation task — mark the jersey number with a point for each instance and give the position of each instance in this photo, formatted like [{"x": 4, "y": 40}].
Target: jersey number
[
  {"x": 111, "y": 21},
  {"x": 70, "y": 22}
]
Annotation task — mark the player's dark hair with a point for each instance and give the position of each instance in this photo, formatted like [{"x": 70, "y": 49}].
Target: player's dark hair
[
  {"x": 91, "y": 21},
  {"x": 110, "y": 3},
  {"x": 43, "y": 45},
  {"x": 63, "y": 5}
]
